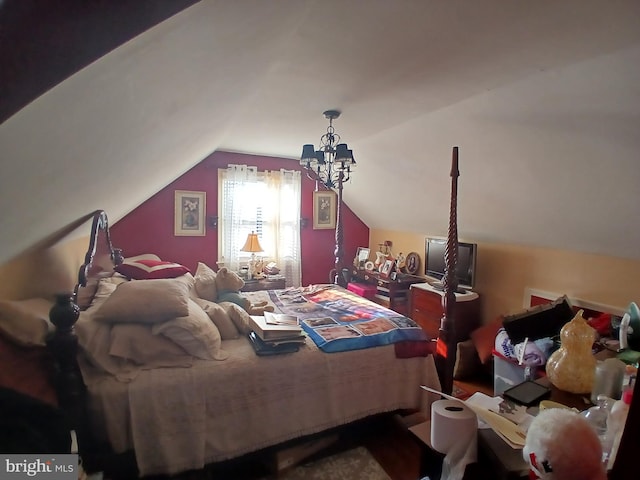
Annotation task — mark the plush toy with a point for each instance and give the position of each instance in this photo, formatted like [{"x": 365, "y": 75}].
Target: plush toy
[
  {"x": 228, "y": 284},
  {"x": 562, "y": 445}
]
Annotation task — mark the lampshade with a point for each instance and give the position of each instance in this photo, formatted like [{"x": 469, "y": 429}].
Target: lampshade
[
  {"x": 333, "y": 161},
  {"x": 252, "y": 244}
]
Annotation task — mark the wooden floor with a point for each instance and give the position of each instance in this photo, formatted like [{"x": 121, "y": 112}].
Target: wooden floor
[{"x": 387, "y": 438}]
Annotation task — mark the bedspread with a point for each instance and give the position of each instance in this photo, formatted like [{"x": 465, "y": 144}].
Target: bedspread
[
  {"x": 338, "y": 320},
  {"x": 183, "y": 418}
]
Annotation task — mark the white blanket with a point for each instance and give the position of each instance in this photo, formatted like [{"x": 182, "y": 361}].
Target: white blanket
[{"x": 178, "y": 419}]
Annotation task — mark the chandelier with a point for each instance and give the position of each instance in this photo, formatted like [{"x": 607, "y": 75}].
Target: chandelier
[{"x": 331, "y": 164}]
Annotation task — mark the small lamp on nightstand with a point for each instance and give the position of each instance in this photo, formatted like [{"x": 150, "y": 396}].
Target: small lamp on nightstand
[{"x": 252, "y": 245}]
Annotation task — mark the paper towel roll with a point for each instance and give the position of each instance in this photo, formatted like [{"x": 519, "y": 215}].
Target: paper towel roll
[{"x": 452, "y": 422}]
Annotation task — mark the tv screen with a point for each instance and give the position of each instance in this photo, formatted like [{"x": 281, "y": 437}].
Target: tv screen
[{"x": 465, "y": 269}]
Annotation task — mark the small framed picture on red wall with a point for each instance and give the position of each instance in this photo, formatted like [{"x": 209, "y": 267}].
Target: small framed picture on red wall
[{"x": 189, "y": 213}]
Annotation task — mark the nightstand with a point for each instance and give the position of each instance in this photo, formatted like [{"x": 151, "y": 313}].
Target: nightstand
[{"x": 263, "y": 284}]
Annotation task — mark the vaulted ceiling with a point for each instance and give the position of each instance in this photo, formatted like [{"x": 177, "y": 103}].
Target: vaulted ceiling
[{"x": 542, "y": 98}]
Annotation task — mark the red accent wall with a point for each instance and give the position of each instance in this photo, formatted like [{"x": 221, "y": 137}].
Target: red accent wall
[{"x": 149, "y": 228}]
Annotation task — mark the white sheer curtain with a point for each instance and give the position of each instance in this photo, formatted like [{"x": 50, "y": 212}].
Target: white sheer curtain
[{"x": 267, "y": 203}]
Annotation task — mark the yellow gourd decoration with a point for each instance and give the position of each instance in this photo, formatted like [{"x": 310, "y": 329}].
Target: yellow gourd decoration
[{"x": 572, "y": 366}]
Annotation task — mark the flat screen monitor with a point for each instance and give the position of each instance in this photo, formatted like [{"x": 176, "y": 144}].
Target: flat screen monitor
[{"x": 466, "y": 266}]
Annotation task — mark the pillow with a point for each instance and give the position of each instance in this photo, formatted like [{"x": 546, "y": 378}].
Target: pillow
[
  {"x": 136, "y": 342},
  {"x": 26, "y": 322},
  {"x": 206, "y": 283},
  {"x": 144, "y": 256},
  {"x": 196, "y": 333},
  {"x": 484, "y": 338},
  {"x": 84, "y": 296},
  {"x": 105, "y": 288},
  {"x": 239, "y": 316},
  {"x": 220, "y": 318},
  {"x": 95, "y": 340},
  {"x": 147, "y": 269},
  {"x": 145, "y": 301},
  {"x": 467, "y": 361}
]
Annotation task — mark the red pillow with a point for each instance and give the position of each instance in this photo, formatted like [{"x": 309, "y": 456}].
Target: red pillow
[
  {"x": 151, "y": 269},
  {"x": 484, "y": 338}
]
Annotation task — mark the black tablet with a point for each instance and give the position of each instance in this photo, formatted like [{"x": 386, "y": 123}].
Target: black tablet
[{"x": 527, "y": 393}]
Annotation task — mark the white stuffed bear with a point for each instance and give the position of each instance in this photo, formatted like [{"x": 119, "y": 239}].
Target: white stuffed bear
[{"x": 562, "y": 445}]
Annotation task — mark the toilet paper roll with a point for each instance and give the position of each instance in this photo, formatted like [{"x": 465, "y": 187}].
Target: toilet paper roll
[{"x": 452, "y": 423}]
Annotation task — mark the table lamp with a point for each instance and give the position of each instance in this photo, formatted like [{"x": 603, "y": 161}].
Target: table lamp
[{"x": 252, "y": 245}]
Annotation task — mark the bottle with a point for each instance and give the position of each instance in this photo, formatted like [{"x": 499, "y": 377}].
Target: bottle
[
  {"x": 598, "y": 416},
  {"x": 616, "y": 423}
]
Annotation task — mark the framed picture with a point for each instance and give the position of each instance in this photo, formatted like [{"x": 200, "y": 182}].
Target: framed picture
[
  {"x": 361, "y": 257},
  {"x": 324, "y": 209},
  {"x": 387, "y": 268},
  {"x": 412, "y": 263},
  {"x": 189, "y": 213}
]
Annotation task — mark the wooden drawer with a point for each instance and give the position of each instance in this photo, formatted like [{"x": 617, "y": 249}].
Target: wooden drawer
[
  {"x": 427, "y": 322},
  {"x": 426, "y": 310}
]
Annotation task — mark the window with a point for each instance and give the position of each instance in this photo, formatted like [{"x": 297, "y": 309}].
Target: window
[{"x": 267, "y": 203}]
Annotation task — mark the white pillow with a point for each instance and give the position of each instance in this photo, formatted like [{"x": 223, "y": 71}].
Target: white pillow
[
  {"x": 220, "y": 318},
  {"x": 146, "y": 301},
  {"x": 136, "y": 342},
  {"x": 195, "y": 333},
  {"x": 26, "y": 322},
  {"x": 238, "y": 315},
  {"x": 205, "y": 279}
]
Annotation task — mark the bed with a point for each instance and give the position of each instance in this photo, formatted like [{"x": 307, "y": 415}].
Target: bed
[{"x": 214, "y": 399}]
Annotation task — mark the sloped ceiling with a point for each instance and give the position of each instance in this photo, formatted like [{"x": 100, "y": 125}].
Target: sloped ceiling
[{"x": 542, "y": 98}]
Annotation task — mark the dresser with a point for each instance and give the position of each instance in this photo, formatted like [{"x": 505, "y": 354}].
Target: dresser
[
  {"x": 390, "y": 293},
  {"x": 267, "y": 283},
  {"x": 425, "y": 308}
]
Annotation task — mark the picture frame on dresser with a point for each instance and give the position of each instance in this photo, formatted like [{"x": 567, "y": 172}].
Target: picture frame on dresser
[
  {"x": 189, "y": 213},
  {"x": 387, "y": 268},
  {"x": 362, "y": 256}
]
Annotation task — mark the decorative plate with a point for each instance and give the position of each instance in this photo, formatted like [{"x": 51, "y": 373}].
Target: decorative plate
[
  {"x": 412, "y": 263},
  {"x": 369, "y": 266}
]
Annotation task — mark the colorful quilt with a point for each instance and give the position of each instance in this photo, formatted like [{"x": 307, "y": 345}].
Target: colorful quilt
[{"x": 338, "y": 320}]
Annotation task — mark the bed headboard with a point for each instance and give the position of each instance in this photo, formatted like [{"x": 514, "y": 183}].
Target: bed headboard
[
  {"x": 63, "y": 344},
  {"x": 99, "y": 260}
]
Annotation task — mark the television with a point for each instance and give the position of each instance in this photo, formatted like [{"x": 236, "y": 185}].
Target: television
[{"x": 434, "y": 265}]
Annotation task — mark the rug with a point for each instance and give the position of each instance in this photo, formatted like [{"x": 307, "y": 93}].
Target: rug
[{"x": 357, "y": 463}]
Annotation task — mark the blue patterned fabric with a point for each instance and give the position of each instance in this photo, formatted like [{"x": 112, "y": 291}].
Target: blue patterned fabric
[{"x": 338, "y": 320}]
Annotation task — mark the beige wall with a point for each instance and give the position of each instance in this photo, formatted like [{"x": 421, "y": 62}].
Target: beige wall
[
  {"x": 43, "y": 272},
  {"x": 505, "y": 271}
]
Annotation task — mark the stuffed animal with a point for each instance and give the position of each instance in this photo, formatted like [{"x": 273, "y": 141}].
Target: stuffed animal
[
  {"x": 228, "y": 284},
  {"x": 562, "y": 445}
]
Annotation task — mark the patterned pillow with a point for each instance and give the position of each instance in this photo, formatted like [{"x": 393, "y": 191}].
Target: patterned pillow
[{"x": 147, "y": 269}]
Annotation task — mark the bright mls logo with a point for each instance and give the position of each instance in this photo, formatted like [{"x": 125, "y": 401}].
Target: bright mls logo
[{"x": 53, "y": 467}]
